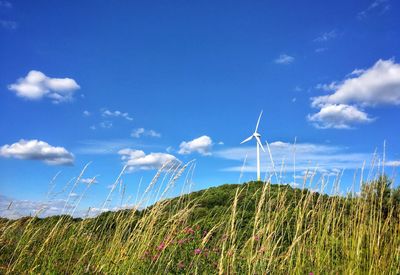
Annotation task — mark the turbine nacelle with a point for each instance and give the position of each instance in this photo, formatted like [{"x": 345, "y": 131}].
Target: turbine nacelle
[
  {"x": 258, "y": 140},
  {"x": 256, "y": 135}
]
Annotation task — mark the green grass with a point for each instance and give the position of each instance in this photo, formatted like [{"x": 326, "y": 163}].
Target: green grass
[{"x": 253, "y": 228}]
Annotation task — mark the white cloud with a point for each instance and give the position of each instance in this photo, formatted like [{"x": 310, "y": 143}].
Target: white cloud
[
  {"x": 138, "y": 160},
  {"x": 8, "y": 24},
  {"x": 284, "y": 59},
  {"x": 15, "y": 209},
  {"x": 108, "y": 113},
  {"x": 327, "y": 159},
  {"x": 137, "y": 133},
  {"x": 376, "y": 86},
  {"x": 393, "y": 163},
  {"x": 37, "y": 85},
  {"x": 339, "y": 116},
  {"x": 37, "y": 150},
  {"x": 326, "y": 36},
  {"x": 201, "y": 145},
  {"x": 86, "y": 113}
]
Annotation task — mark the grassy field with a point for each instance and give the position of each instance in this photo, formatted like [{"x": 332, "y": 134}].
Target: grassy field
[{"x": 252, "y": 228}]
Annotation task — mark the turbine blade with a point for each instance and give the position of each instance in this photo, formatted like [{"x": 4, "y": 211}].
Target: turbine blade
[
  {"x": 258, "y": 122},
  {"x": 259, "y": 143},
  {"x": 247, "y": 139}
]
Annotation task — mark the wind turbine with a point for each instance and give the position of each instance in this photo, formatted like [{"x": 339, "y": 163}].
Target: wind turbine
[{"x": 257, "y": 136}]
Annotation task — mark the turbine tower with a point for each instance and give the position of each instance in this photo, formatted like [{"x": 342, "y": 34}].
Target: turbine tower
[{"x": 257, "y": 136}]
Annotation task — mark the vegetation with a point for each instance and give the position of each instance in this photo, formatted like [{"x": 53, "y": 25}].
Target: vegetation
[{"x": 253, "y": 228}]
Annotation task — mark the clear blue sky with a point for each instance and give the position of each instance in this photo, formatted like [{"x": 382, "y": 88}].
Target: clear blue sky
[{"x": 141, "y": 82}]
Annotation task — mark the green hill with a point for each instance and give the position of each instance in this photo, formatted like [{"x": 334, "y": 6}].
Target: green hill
[{"x": 254, "y": 228}]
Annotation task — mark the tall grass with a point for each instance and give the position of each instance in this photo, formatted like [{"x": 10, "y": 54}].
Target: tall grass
[{"x": 288, "y": 231}]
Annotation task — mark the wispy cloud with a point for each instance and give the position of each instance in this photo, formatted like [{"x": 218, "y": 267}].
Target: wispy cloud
[
  {"x": 298, "y": 89},
  {"x": 86, "y": 113},
  {"x": 108, "y": 118},
  {"x": 107, "y": 113},
  {"x": 102, "y": 147},
  {"x": 139, "y": 132},
  {"x": 284, "y": 59},
  {"x": 37, "y": 150},
  {"x": 304, "y": 156},
  {"x": 89, "y": 180},
  {"x": 106, "y": 124},
  {"x": 321, "y": 50},
  {"x": 327, "y": 87},
  {"x": 37, "y": 85},
  {"x": 377, "y": 6},
  {"x": 326, "y": 36}
]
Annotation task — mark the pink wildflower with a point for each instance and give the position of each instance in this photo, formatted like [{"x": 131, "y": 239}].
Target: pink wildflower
[
  {"x": 155, "y": 257},
  {"x": 197, "y": 251},
  {"x": 161, "y": 246}
]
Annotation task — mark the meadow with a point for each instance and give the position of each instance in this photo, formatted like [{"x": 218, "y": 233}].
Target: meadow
[{"x": 251, "y": 228}]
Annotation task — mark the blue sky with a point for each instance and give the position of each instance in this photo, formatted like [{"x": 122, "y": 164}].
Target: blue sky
[{"x": 141, "y": 83}]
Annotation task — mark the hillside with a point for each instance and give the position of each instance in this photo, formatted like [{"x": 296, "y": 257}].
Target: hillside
[{"x": 250, "y": 228}]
